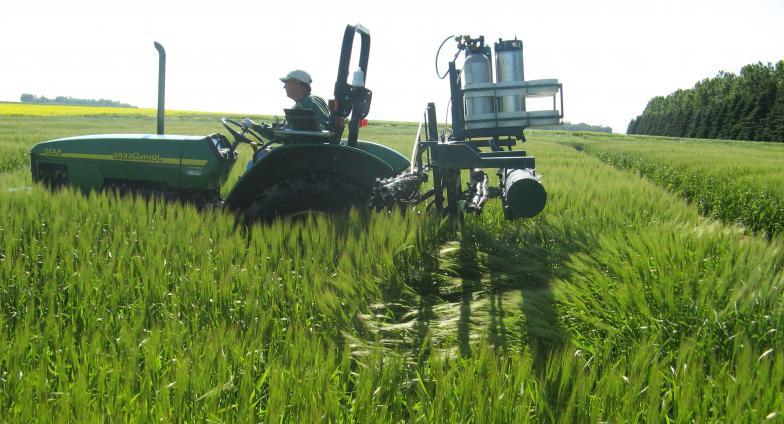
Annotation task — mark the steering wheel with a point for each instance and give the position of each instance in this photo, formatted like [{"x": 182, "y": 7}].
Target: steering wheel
[{"x": 239, "y": 137}]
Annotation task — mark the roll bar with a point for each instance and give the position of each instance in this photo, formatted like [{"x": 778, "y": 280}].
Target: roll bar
[{"x": 349, "y": 98}]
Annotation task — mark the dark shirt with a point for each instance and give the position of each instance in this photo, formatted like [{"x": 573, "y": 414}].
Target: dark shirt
[{"x": 319, "y": 108}]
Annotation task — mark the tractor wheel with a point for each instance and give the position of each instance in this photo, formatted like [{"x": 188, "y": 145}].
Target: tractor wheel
[{"x": 311, "y": 191}]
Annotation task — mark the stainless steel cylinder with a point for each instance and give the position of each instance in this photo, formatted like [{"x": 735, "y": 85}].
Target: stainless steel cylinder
[
  {"x": 477, "y": 70},
  {"x": 509, "y": 68}
]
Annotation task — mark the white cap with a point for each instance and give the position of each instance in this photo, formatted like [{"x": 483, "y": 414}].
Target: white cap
[
  {"x": 299, "y": 75},
  {"x": 358, "y": 79}
]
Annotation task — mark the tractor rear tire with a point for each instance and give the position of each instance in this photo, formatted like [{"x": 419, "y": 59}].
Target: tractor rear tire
[{"x": 304, "y": 192}]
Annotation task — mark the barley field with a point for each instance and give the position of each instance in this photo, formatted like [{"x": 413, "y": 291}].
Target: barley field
[
  {"x": 624, "y": 301},
  {"x": 735, "y": 182}
]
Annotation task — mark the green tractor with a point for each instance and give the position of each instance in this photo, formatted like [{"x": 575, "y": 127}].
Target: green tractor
[
  {"x": 295, "y": 168},
  {"x": 298, "y": 167}
]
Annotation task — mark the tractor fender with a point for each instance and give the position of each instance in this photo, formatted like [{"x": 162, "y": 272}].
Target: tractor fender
[
  {"x": 287, "y": 161},
  {"x": 398, "y": 162}
]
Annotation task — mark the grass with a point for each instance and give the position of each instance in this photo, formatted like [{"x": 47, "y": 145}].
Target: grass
[
  {"x": 620, "y": 302},
  {"x": 726, "y": 180}
]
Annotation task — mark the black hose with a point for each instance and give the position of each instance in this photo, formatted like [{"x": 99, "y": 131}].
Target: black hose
[{"x": 439, "y": 52}]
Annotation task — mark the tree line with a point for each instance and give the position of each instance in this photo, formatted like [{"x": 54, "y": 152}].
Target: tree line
[
  {"x": 63, "y": 100},
  {"x": 749, "y": 106}
]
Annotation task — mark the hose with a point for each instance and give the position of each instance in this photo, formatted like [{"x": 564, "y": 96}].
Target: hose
[{"x": 438, "y": 74}]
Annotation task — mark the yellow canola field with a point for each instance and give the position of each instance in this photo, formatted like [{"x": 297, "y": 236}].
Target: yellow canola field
[{"x": 34, "y": 109}]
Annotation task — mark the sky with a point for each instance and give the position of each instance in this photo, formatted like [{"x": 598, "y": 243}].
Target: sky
[{"x": 611, "y": 56}]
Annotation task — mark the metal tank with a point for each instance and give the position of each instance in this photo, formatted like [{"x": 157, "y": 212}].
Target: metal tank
[
  {"x": 509, "y": 69},
  {"x": 477, "y": 72}
]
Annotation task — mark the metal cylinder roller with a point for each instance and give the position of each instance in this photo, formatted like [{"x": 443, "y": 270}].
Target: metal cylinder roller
[{"x": 524, "y": 196}]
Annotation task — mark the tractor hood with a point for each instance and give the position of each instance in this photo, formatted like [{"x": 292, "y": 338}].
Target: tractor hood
[{"x": 169, "y": 161}]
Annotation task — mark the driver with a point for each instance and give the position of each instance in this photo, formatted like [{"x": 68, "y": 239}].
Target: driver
[{"x": 297, "y": 85}]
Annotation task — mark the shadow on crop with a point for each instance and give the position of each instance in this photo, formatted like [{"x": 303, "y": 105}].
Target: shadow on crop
[{"x": 474, "y": 283}]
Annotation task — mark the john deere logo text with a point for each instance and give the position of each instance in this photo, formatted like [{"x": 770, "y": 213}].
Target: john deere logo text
[
  {"x": 53, "y": 152},
  {"x": 144, "y": 157}
]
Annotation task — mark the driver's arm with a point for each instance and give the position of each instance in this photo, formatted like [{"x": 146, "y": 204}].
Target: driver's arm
[{"x": 262, "y": 129}]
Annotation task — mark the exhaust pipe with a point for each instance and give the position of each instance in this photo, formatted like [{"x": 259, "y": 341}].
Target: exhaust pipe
[{"x": 161, "y": 83}]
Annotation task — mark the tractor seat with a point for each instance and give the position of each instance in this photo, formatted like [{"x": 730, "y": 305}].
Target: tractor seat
[{"x": 301, "y": 126}]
